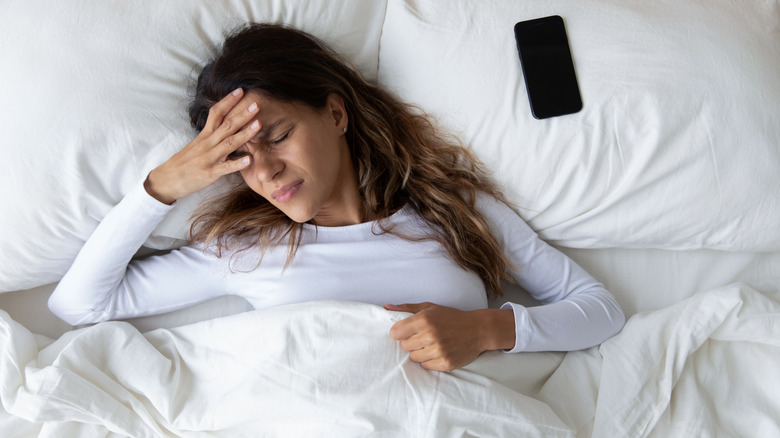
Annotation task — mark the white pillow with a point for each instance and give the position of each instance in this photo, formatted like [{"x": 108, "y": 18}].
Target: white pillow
[
  {"x": 93, "y": 95},
  {"x": 678, "y": 143}
]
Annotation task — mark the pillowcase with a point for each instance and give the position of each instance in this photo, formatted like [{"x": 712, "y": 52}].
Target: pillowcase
[
  {"x": 676, "y": 146},
  {"x": 93, "y": 95}
]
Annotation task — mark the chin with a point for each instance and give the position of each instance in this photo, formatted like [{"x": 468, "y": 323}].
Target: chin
[{"x": 298, "y": 216}]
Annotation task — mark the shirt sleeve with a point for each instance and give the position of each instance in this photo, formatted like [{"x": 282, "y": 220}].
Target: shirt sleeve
[
  {"x": 577, "y": 312},
  {"x": 103, "y": 283}
]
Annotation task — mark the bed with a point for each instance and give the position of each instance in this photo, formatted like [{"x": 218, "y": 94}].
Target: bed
[{"x": 665, "y": 187}]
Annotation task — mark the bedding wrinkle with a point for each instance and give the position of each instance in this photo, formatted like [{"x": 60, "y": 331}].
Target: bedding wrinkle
[
  {"x": 414, "y": 10},
  {"x": 617, "y": 144},
  {"x": 178, "y": 376},
  {"x": 666, "y": 390},
  {"x": 706, "y": 125}
]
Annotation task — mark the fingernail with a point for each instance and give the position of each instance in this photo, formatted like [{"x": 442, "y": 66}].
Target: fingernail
[
  {"x": 252, "y": 108},
  {"x": 254, "y": 125},
  {"x": 236, "y": 92}
]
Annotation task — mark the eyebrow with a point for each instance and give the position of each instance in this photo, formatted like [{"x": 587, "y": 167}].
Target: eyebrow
[{"x": 265, "y": 133}]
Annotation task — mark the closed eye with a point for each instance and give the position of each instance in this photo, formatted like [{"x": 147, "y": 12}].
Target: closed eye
[
  {"x": 235, "y": 155},
  {"x": 282, "y": 138}
]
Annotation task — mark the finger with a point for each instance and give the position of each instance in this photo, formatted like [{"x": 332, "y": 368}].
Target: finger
[
  {"x": 230, "y": 166},
  {"x": 235, "y": 141},
  {"x": 409, "y": 307},
  {"x": 423, "y": 355},
  {"x": 218, "y": 111},
  {"x": 403, "y": 329},
  {"x": 414, "y": 342},
  {"x": 438, "y": 365},
  {"x": 236, "y": 119}
]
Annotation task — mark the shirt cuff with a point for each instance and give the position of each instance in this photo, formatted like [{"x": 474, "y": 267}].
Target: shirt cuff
[{"x": 522, "y": 327}]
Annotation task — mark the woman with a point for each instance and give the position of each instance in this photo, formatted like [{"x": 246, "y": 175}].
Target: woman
[{"x": 342, "y": 192}]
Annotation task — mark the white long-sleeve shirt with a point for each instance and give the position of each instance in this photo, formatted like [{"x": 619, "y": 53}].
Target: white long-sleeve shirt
[{"x": 355, "y": 263}]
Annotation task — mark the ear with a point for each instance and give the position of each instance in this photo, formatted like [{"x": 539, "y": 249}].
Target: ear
[{"x": 336, "y": 111}]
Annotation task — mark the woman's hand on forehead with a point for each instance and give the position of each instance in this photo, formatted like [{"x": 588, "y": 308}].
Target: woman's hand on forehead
[{"x": 204, "y": 160}]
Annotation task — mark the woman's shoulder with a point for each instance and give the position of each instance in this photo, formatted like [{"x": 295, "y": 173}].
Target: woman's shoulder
[
  {"x": 502, "y": 217},
  {"x": 489, "y": 204}
]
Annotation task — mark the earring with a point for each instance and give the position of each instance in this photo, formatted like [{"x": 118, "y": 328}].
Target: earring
[{"x": 344, "y": 129}]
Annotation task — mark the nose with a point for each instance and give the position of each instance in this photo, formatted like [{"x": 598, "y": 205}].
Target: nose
[{"x": 266, "y": 166}]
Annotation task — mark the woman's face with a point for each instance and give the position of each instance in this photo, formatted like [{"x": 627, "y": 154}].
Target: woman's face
[{"x": 301, "y": 163}]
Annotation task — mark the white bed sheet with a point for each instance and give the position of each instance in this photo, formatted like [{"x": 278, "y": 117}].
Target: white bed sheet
[
  {"x": 651, "y": 279},
  {"x": 705, "y": 366}
]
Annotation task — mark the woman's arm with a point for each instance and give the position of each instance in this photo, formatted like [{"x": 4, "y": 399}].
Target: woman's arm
[
  {"x": 102, "y": 283},
  {"x": 577, "y": 311}
]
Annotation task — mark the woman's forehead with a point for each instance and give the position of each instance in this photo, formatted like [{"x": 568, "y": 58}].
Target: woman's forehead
[
  {"x": 269, "y": 104},
  {"x": 272, "y": 113}
]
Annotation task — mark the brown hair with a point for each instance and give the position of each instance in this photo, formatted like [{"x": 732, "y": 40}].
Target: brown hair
[{"x": 399, "y": 156}]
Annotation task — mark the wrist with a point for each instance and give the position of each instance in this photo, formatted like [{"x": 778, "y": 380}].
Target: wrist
[
  {"x": 498, "y": 329},
  {"x": 153, "y": 190}
]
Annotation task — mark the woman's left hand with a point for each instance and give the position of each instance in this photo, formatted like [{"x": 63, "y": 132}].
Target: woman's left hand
[{"x": 443, "y": 338}]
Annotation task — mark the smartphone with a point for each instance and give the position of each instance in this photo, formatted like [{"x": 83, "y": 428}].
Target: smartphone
[{"x": 547, "y": 67}]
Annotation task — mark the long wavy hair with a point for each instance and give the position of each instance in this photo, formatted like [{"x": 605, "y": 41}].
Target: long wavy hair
[{"x": 399, "y": 156}]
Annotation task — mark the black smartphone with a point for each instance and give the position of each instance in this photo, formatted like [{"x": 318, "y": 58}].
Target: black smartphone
[{"x": 548, "y": 67}]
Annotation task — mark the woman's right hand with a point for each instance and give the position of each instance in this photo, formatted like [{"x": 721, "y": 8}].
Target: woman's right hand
[{"x": 205, "y": 159}]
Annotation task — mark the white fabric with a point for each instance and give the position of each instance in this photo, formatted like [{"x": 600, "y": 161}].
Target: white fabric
[
  {"x": 644, "y": 280},
  {"x": 352, "y": 263},
  {"x": 706, "y": 366},
  {"x": 93, "y": 95},
  {"x": 59, "y": 147},
  {"x": 676, "y": 146},
  {"x": 314, "y": 369}
]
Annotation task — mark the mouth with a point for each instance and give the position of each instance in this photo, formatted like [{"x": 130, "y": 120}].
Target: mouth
[{"x": 285, "y": 193}]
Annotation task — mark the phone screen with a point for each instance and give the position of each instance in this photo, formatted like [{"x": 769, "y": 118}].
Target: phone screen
[{"x": 547, "y": 67}]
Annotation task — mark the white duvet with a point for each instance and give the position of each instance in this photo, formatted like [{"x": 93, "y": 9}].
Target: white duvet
[{"x": 705, "y": 367}]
